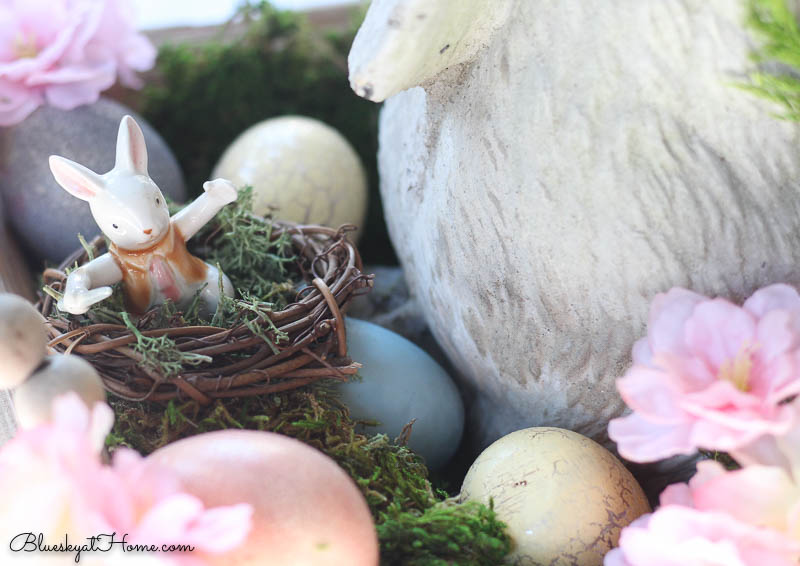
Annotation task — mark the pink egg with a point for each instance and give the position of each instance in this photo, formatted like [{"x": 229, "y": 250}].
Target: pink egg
[{"x": 307, "y": 510}]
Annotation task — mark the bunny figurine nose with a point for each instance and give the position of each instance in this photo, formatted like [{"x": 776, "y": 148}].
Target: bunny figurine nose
[{"x": 148, "y": 231}]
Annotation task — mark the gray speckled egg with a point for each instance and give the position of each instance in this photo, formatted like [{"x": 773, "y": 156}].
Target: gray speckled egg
[
  {"x": 401, "y": 383},
  {"x": 45, "y": 218}
]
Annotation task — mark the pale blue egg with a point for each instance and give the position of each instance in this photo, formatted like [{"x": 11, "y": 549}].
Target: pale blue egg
[{"x": 401, "y": 383}]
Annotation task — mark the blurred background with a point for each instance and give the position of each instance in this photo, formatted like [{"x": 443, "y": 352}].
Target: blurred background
[
  {"x": 156, "y": 14},
  {"x": 225, "y": 65}
]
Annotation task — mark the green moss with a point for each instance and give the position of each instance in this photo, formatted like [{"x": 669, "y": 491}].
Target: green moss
[
  {"x": 203, "y": 97},
  {"x": 467, "y": 534},
  {"x": 245, "y": 250},
  {"x": 722, "y": 457},
  {"x": 775, "y": 24},
  {"x": 161, "y": 355},
  {"x": 416, "y": 526}
]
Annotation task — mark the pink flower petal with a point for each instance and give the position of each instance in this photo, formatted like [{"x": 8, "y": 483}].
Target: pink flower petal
[
  {"x": 65, "y": 52},
  {"x": 763, "y": 450},
  {"x": 221, "y": 529},
  {"x": 775, "y": 335},
  {"x": 779, "y": 380},
  {"x": 52, "y": 479},
  {"x": 717, "y": 331},
  {"x": 773, "y": 297},
  {"x": 720, "y": 397},
  {"x": 87, "y": 28},
  {"x": 19, "y": 69},
  {"x": 615, "y": 557},
  {"x": 757, "y": 495},
  {"x": 676, "y": 494},
  {"x": 668, "y": 315},
  {"x": 168, "y": 520},
  {"x": 714, "y": 430},
  {"x": 17, "y": 102},
  {"x": 690, "y": 374},
  {"x": 681, "y": 536},
  {"x": 652, "y": 394},
  {"x": 72, "y": 95},
  {"x": 642, "y": 355},
  {"x": 640, "y": 440}
]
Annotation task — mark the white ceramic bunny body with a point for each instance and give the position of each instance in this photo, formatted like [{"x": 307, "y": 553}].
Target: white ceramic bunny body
[{"x": 148, "y": 251}]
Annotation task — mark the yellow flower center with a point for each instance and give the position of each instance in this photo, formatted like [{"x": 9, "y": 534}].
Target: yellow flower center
[
  {"x": 737, "y": 370},
  {"x": 25, "y": 46}
]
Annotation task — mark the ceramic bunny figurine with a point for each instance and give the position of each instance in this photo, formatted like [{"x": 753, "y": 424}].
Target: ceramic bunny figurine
[{"x": 148, "y": 248}]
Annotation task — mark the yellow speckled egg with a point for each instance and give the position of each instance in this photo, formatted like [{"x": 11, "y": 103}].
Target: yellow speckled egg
[
  {"x": 303, "y": 167},
  {"x": 564, "y": 497}
]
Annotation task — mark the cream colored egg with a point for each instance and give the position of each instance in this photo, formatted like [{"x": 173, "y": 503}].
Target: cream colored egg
[
  {"x": 303, "y": 167},
  {"x": 23, "y": 339},
  {"x": 564, "y": 497},
  {"x": 58, "y": 375}
]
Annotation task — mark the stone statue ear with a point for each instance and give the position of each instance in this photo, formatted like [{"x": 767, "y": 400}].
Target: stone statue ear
[
  {"x": 76, "y": 179},
  {"x": 131, "y": 149}
]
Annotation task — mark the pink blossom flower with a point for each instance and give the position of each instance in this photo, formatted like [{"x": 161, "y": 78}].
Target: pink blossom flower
[
  {"x": 65, "y": 52},
  {"x": 711, "y": 374},
  {"x": 747, "y": 517},
  {"x": 766, "y": 496},
  {"x": 682, "y": 536},
  {"x": 52, "y": 481}
]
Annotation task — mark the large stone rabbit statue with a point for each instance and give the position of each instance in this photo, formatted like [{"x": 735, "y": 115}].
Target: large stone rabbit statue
[{"x": 548, "y": 167}]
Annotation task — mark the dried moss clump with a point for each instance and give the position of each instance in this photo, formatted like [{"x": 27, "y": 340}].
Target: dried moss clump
[{"x": 415, "y": 524}]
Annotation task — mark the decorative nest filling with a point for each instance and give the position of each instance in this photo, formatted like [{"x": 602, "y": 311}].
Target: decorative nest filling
[{"x": 260, "y": 350}]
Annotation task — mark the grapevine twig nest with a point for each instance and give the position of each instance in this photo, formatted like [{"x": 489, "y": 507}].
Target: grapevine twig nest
[{"x": 270, "y": 352}]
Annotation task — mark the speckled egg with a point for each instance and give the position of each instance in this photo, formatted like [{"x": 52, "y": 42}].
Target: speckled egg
[
  {"x": 307, "y": 510},
  {"x": 401, "y": 383},
  {"x": 303, "y": 167},
  {"x": 23, "y": 339},
  {"x": 564, "y": 497}
]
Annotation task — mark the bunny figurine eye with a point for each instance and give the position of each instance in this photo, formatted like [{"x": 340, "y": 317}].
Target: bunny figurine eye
[{"x": 148, "y": 248}]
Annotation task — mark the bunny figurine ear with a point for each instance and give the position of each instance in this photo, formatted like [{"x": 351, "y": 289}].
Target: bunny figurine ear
[
  {"x": 76, "y": 179},
  {"x": 131, "y": 150}
]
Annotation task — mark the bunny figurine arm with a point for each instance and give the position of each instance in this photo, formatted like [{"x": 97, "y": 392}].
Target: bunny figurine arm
[
  {"x": 90, "y": 284},
  {"x": 194, "y": 216}
]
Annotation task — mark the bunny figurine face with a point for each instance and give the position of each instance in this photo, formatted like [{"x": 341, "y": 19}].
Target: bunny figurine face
[{"x": 125, "y": 202}]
